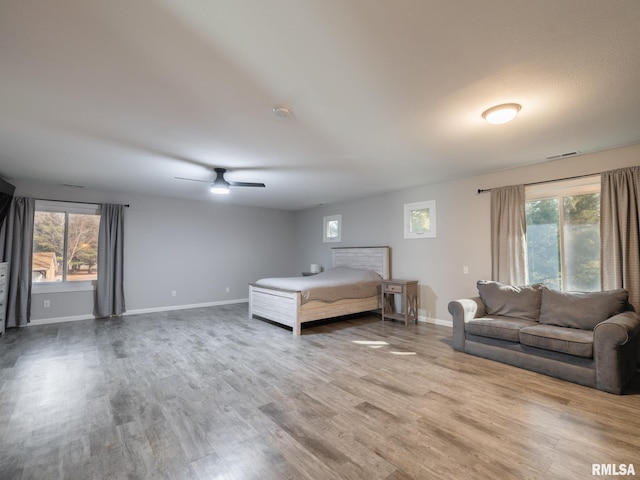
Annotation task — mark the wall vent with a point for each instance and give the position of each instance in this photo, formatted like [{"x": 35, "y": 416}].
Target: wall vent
[{"x": 563, "y": 155}]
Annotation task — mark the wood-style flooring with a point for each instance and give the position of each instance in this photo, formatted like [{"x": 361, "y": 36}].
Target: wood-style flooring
[{"x": 210, "y": 394}]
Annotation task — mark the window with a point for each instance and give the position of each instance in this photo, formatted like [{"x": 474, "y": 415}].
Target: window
[
  {"x": 563, "y": 234},
  {"x": 332, "y": 228},
  {"x": 65, "y": 242},
  {"x": 420, "y": 220}
]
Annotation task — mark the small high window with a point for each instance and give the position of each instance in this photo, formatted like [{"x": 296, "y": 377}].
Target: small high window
[
  {"x": 332, "y": 228},
  {"x": 420, "y": 220}
]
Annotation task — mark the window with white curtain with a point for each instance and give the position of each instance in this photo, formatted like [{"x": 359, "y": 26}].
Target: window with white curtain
[{"x": 563, "y": 234}]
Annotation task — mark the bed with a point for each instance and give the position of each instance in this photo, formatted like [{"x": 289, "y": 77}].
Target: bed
[{"x": 288, "y": 301}]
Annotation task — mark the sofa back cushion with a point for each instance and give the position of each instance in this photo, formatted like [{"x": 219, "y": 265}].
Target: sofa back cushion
[
  {"x": 583, "y": 310},
  {"x": 511, "y": 301}
]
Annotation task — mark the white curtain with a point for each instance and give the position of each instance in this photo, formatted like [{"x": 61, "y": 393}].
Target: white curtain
[
  {"x": 620, "y": 231},
  {"x": 110, "y": 286},
  {"x": 508, "y": 235},
  {"x": 16, "y": 243}
]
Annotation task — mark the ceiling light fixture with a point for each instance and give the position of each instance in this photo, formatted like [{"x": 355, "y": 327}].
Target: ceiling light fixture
[
  {"x": 501, "y": 113},
  {"x": 281, "y": 111},
  {"x": 220, "y": 187}
]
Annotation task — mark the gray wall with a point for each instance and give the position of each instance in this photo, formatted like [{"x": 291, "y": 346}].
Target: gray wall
[
  {"x": 197, "y": 249},
  {"x": 463, "y": 229}
]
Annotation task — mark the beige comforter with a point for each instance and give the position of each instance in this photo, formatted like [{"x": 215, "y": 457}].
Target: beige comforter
[{"x": 329, "y": 286}]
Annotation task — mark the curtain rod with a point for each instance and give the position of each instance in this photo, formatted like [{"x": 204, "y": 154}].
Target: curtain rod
[
  {"x": 485, "y": 190},
  {"x": 126, "y": 205}
]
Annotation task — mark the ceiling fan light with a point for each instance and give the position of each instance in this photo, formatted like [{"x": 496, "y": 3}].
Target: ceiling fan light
[
  {"x": 219, "y": 189},
  {"x": 501, "y": 113}
]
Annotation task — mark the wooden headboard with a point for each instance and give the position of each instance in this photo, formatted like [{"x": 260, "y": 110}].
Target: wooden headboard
[{"x": 370, "y": 258}]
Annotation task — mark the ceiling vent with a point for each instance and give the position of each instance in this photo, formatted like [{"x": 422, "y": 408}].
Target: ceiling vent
[{"x": 563, "y": 155}]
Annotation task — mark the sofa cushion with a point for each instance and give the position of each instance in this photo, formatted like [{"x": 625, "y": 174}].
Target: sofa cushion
[
  {"x": 583, "y": 310},
  {"x": 504, "y": 328},
  {"x": 559, "y": 339},
  {"x": 511, "y": 301}
]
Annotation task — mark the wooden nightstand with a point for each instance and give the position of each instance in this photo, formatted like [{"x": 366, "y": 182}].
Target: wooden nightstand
[{"x": 408, "y": 289}]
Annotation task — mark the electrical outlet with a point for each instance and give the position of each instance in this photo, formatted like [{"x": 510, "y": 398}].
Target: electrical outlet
[
  {"x": 173, "y": 293},
  {"x": 227, "y": 290},
  {"x": 46, "y": 303},
  {"x": 465, "y": 270}
]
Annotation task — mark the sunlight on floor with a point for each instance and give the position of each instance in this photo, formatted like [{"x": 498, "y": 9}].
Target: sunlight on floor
[
  {"x": 371, "y": 343},
  {"x": 380, "y": 344}
]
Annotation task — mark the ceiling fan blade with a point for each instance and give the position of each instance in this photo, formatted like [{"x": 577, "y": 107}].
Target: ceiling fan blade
[
  {"x": 245, "y": 184},
  {"x": 192, "y": 179},
  {"x": 220, "y": 183}
]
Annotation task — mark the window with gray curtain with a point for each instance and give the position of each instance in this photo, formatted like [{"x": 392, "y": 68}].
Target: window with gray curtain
[
  {"x": 16, "y": 238},
  {"x": 109, "y": 298},
  {"x": 619, "y": 233},
  {"x": 508, "y": 235}
]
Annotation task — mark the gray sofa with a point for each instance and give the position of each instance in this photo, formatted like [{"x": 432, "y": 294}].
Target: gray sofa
[{"x": 588, "y": 338}]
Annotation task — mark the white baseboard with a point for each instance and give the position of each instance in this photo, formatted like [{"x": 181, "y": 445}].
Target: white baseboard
[
  {"x": 185, "y": 307},
  {"x": 47, "y": 321},
  {"x": 436, "y": 321},
  {"x": 75, "y": 318}
]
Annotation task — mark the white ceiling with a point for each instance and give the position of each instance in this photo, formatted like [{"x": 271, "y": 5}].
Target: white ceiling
[{"x": 126, "y": 95}]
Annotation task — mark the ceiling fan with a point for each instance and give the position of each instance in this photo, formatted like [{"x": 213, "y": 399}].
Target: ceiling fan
[{"x": 220, "y": 185}]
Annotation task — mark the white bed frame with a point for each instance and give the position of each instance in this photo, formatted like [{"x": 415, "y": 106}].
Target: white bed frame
[{"x": 285, "y": 306}]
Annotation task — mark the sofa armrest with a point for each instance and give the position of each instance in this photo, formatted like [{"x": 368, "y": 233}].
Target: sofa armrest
[
  {"x": 462, "y": 311},
  {"x": 615, "y": 350}
]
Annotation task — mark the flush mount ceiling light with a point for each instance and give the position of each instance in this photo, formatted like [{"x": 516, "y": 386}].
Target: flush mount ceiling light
[
  {"x": 501, "y": 113},
  {"x": 281, "y": 111}
]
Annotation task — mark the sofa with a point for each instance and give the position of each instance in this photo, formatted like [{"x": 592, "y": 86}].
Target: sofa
[{"x": 589, "y": 338}]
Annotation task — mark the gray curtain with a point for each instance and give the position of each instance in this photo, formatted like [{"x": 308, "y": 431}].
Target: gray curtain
[
  {"x": 110, "y": 287},
  {"x": 620, "y": 231},
  {"x": 16, "y": 244},
  {"x": 508, "y": 235}
]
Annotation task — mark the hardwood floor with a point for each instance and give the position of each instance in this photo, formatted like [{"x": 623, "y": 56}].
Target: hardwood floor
[{"x": 209, "y": 394}]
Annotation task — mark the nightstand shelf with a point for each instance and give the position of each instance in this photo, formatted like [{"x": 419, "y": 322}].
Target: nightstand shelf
[{"x": 408, "y": 291}]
